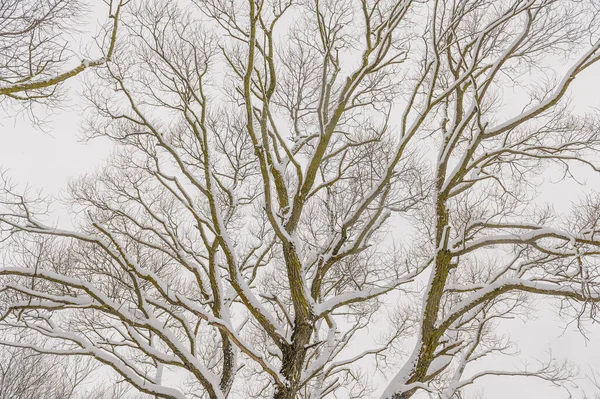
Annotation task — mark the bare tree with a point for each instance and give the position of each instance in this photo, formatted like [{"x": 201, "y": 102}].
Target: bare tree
[
  {"x": 287, "y": 171},
  {"x": 34, "y": 46},
  {"x": 26, "y": 374}
]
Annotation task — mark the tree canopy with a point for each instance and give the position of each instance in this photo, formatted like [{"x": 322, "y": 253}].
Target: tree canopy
[{"x": 309, "y": 195}]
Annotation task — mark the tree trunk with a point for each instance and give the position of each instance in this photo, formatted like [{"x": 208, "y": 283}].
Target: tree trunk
[{"x": 293, "y": 361}]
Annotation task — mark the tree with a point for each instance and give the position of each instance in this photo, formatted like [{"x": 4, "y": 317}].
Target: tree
[
  {"x": 34, "y": 61},
  {"x": 287, "y": 173},
  {"x": 34, "y": 48},
  {"x": 26, "y": 374}
]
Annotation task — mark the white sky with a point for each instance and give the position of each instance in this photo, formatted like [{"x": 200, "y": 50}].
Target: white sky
[{"x": 47, "y": 160}]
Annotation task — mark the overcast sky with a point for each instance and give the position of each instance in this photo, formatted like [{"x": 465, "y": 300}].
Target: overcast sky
[{"x": 48, "y": 159}]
